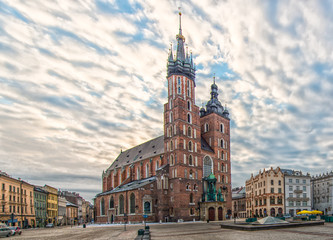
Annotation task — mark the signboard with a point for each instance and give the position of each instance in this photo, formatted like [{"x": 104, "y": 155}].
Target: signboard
[
  {"x": 10, "y": 221},
  {"x": 145, "y": 216}
]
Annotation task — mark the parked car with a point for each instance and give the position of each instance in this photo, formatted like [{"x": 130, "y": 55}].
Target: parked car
[
  {"x": 16, "y": 230},
  {"x": 5, "y": 232},
  {"x": 49, "y": 225}
]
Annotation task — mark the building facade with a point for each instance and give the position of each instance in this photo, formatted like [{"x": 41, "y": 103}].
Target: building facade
[
  {"x": 17, "y": 202},
  {"x": 40, "y": 201},
  {"x": 322, "y": 188},
  {"x": 61, "y": 210},
  {"x": 265, "y": 194},
  {"x": 297, "y": 191},
  {"x": 77, "y": 200},
  {"x": 71, "y": 213},
  {"x": 239, "y": 202},
  {"x": 162, "y": 179},
  {"x": 52, "y": 204}
]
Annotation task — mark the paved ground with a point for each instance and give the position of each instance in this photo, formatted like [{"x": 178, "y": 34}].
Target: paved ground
[{"x": 183, "y": 231}]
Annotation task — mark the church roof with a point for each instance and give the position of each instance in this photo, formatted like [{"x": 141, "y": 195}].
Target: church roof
[
  {"x": 145, "y": 150},
  {"x": 130, "y": 186},
  {"x": 205, "y": 145}
]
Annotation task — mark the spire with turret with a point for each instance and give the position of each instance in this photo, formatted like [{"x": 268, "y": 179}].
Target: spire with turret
[
  {"x": 182, "y": 63},
  {"x": 214, "y": 105}
]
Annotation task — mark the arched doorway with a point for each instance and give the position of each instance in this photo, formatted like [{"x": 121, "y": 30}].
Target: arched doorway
[
  {"x": 211, "y": 214},
  {"x": 272, "y": 212},
  {"x": 260, "y": 213},
  {"x": 220, "y": 214},
  {"x": 111, "y": 218},
  {"x": 280, "y": 212}
]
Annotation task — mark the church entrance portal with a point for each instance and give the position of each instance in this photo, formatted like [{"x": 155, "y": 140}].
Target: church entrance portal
[{"x": 211, "y": 214}]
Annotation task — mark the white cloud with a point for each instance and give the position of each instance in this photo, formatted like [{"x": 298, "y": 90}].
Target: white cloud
[{"x": 79, "y": 83}]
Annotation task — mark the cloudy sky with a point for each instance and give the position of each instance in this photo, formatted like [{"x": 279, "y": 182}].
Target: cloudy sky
[{"x": 81, "y": 80}]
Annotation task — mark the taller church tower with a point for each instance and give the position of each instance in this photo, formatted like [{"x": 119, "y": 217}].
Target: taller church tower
[{"x": 182, "y": 136}]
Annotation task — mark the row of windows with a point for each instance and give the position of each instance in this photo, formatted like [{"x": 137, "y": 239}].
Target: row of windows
[
  {"x": 121, "y": 209},
  {"x": 297, "y": 180},
  {"x": 323, "y": 199},
  {"x": 172, "y": 145},
  {"x": 172, "y": 131},
  {"x": 122, "y": 174},
  {"x": 15, "y": 189},
  {"x": 13, "y": 198},
  {"x": 16, "y": 209},
  {"x": 260, "y": 202},
  {"x": 291, "y": 188},
  {"x": 188, "y": 118},
  {"x": 206, "y": 127},
  {"x": 189, "y": 105},
  {"x": 297, "y": 203},
  {"x": 40, "y": 196},
  {"x": 322, "y": 190},
  {"x": 304, "y": 195}
]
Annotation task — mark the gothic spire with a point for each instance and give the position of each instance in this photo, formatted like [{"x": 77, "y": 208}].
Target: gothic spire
[
  {"x": 182, "y": 62},
  {"x": 180, "y": 39}
]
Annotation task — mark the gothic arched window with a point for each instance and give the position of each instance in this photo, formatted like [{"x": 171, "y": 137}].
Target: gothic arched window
[
  {"x": 170, "y": 117},
  {"x": 191, "y": 198},
  {"x": 207, "y": 166},
  {"x": 102, "y": 207},
  {"x": 132, "y": 203},
  {"x": 189, "y": 105},
  {"x": 111, "y": 203},
  {"x": 121, "y": 204}
]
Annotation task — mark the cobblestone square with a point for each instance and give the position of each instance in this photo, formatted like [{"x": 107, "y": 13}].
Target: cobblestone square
[{"x": 172, "y": 231}]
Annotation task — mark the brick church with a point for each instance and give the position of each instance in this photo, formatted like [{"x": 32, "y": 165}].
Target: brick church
[{"x": 183, "y": 175}]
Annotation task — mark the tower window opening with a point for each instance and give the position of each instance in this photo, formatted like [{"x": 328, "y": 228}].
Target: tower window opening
[
  {"x": 189, "y": 132},
  {"x": 206, "y": 127},
  {"x": 222, "y": 143},
  {"x": 189, "y": 105},
  {"x": 190, "y": 160},
  {"x": 179, "y": 88},
  {"x": 190, "y": 147},
  {"x": 222, "y": 128},
  {"x": 189, "y": 120}
]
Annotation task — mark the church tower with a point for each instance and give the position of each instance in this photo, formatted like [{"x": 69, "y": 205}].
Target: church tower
[{"x": 182, "y": 136}]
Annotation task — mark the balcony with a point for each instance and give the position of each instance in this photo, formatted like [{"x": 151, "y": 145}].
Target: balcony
[{"x": 298, "y": 191}]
